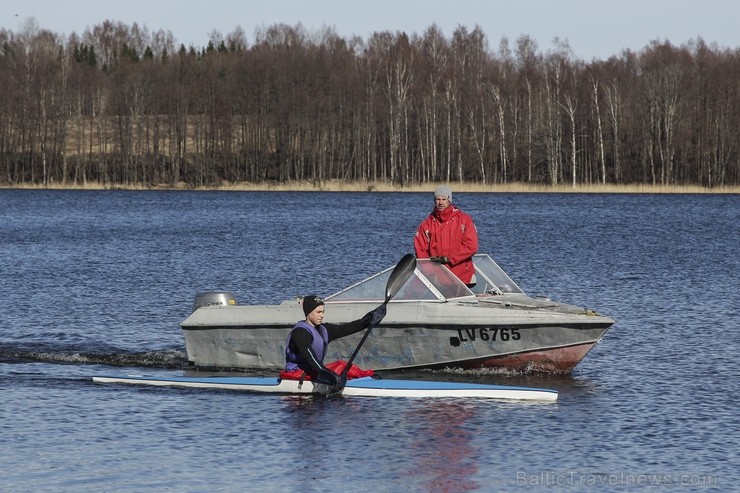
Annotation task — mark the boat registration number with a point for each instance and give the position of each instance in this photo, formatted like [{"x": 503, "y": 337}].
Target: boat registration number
[{"x": 485, "y": 334}]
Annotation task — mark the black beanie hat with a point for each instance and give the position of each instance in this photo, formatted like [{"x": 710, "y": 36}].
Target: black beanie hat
[{"x": 310, "y": 303}]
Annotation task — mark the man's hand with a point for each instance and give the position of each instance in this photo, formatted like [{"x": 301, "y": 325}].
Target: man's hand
[
  {"x": 327, "y": 377},
  {"x": 374, "y": 317},
  {"x": 339, "y": 386}
]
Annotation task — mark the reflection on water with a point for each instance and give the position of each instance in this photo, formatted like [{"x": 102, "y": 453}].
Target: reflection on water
[{"x": 444, "y": 457}]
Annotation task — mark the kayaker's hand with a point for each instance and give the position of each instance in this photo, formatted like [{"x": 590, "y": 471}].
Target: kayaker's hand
[
  {"x": 339, "y": 386},
  {"x": 440, "y": 260},
  {"x": 327, "y": 377},
  {"x": 374, "y": 317}
]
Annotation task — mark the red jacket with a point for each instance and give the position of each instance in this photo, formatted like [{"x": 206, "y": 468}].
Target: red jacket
[{"x": 450, "y": 233}]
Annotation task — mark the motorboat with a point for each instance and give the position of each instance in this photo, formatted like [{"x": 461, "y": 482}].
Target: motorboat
[{"x": 434, "y": 321}]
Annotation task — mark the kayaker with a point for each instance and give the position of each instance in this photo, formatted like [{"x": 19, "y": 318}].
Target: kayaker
[
  {"x": 307, "y": 342},
  {"x": 448, "y": 236}
]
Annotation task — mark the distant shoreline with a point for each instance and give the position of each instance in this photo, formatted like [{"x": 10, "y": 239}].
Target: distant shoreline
[{"x": 337, "y": 186}]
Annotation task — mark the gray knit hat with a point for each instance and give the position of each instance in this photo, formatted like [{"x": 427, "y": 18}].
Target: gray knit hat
[{"x": 443, "y": 191}]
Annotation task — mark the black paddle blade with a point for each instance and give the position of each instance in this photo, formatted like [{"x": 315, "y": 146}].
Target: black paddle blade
[{"x": 401, "y": 273}]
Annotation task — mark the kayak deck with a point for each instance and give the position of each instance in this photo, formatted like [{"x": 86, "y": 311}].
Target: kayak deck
[{"x": 360, "y": 387}]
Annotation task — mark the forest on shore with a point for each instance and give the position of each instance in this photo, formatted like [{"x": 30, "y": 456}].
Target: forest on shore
[{"x": 120, "y": 106}]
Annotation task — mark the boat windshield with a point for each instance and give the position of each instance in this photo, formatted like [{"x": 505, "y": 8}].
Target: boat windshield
[
  {"x": 490, "y": 278},
  {"x": 430, "y": 282}
]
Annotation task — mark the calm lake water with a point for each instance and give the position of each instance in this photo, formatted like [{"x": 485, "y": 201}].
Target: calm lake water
[{"x": 96, "y": 282}]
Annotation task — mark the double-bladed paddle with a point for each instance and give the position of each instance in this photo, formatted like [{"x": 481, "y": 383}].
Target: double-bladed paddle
[{"x": 401, "y": 273}]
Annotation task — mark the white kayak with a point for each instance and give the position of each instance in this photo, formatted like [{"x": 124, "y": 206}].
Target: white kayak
[{"x": 359, "y": 387}]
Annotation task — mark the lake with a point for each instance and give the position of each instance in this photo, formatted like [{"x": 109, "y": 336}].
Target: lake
[{"x": 97, "y": 282}]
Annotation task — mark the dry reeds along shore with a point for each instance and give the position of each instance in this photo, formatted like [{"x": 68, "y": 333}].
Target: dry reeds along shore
[{"x": 340, "y": 186}]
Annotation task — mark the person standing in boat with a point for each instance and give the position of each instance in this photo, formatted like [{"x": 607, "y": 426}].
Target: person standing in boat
[
  {"x": 448, "y": 236},
  {"x": 307, "y": 342}
]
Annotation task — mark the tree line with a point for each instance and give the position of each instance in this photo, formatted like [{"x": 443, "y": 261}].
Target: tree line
[{"x": 120, "y": 105}]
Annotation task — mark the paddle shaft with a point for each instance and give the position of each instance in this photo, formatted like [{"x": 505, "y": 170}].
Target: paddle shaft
[
  {"x": 401, "y": 273},
  {"x": 359, "y": 345}
]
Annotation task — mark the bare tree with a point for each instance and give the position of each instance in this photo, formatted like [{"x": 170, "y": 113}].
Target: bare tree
[
  {"x": 527, "y": 72},
  {"x": 435, "y": 52}
]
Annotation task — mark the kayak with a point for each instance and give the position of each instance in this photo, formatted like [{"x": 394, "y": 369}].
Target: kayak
[{"x": 359, "y": 387}]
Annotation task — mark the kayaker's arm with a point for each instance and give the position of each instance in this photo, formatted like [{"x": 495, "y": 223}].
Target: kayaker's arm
[{"x": 373, "y": 317}]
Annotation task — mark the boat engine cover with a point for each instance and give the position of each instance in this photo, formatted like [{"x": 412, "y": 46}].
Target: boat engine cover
[{"x": 213, "y": 298}]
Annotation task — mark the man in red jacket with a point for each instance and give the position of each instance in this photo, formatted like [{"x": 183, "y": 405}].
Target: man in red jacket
[{"x": 448, "y": 236}]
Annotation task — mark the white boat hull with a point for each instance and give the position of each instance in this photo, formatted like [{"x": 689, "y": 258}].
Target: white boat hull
[{"x": 401, "y": 344}]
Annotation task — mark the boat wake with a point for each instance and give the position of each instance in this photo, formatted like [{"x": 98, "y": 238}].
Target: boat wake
[
  {"x": 497, "y": 375},
  {"x": 165, "y": 358},
  {"x": 484, "y": 372}
]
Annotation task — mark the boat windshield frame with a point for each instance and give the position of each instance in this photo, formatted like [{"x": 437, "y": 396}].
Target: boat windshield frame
[
  {"x": 431, "y": 282},
  {"x": 491, "y": 279}
]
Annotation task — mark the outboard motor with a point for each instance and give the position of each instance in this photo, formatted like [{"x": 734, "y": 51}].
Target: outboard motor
[{"x": 213, "y": 298}]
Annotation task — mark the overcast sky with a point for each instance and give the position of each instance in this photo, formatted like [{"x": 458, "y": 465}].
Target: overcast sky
[{"x": 593, "y": 28}]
